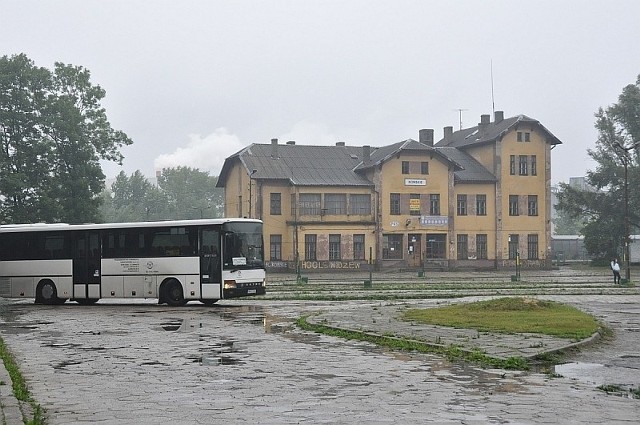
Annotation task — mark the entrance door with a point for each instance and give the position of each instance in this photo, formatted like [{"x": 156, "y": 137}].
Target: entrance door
[
  {"x": 415, "y": 251},
  {"x": 210, "y": 261},
  {"x": 86, "y": 266}
]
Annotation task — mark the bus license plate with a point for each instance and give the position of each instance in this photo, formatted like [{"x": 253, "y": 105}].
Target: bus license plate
[{"x": 251, "y": 291}]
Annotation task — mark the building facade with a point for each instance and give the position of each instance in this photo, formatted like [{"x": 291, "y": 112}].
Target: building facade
[{"x": 480, "y": 197}]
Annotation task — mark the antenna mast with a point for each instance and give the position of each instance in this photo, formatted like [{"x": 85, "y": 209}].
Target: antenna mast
[
  {"x": 493, "y": 102},
  {"x": 460, "y": 114}
]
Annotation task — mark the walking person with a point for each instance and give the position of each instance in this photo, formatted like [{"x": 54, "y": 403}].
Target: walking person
[{"x": 615, "y": 267}]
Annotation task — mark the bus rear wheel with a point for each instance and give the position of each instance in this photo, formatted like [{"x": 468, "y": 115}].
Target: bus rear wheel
[
  {"x": 46, "y": 293},
  {"x": 173, "y": 293},
  {"x": 86, "y": 301}
]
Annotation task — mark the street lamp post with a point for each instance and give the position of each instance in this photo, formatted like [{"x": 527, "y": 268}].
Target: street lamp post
[
  {"x": 250, "y": 191},
  {"x": 627, "y": 230}
]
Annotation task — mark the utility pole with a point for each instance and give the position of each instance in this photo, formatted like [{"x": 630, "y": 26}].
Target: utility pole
[{"x": 627, "y": 230}]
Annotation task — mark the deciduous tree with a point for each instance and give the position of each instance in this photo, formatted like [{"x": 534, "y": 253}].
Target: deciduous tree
[
  {"x": 604, "y": 210},
  {"x": 53, "y": 133}
]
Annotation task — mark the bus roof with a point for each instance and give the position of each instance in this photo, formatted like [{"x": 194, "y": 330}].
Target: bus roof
[{"x": 39, "y": 227}]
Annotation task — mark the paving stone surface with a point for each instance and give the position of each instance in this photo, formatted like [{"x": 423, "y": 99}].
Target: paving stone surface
[{"x": 244, "y": 362}]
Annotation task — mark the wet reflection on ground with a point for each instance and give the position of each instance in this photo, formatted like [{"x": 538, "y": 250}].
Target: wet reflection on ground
[{"x": 250, "y": 360}]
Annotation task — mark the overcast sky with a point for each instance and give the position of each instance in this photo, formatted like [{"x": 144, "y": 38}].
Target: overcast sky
[{"x": 192, "y": 82}]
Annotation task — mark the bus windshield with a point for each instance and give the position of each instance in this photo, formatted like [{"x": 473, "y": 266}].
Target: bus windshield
[{"x": 243, "y": 246}]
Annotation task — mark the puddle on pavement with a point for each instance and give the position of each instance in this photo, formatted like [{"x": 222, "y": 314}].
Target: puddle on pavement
[
  {"x": 222, "y": 353},
  {"x": 620, "y": 377}
]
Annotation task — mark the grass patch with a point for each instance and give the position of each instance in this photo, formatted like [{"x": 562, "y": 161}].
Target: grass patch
[
  {"x": 511, "y": 315},
  {"x": 451, "y": 352},
  {"x": 19, "y": 386}
]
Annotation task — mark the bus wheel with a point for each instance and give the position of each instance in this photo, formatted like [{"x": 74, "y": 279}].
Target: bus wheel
[
  {"x": 46, "y": 293},
  {"x": 208, "y": 302},
  {"x": 174, "y": 294},
  {"x": 86, "y": 301}
]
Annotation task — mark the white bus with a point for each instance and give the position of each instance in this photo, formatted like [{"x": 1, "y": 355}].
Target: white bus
[{"x": 174, "y": 261}]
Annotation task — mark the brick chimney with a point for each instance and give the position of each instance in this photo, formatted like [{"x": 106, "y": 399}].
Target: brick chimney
[
  {"x": 425, "y": 136},
  {"x": 485, "y": 119},
  {"x": 498, "y": 116},
  {"x": 366, "y": 155},
  {"x": 339, "y": 143},
  {"x": 291, "y": 142},
  {"x": 274, "y": 148},
  {"x": 448, "y": 132}
]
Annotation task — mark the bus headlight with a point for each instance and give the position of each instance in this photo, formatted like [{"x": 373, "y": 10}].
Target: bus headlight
[{"x": 229, "y": 284}]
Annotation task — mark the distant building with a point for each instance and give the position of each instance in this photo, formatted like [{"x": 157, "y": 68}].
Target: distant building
[{"x": 480, "y": 197}]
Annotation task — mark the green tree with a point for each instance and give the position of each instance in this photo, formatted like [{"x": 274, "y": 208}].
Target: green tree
[
  {"x": 53, "y": 132},
  {"x": 182, "y": 193},
  {"x": 603, "y": 211},
  {"x": 132, "y": 198},
  {"x": 191, "y": 193}
]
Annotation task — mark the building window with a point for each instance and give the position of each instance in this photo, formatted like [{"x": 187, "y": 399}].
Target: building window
[
  {"x": 309, "y": 204},
  {"x": 405, "y": 167},
  {"x": 275, "y": 244},
  {"x": 414, "y": 204},
  {"x": 436, "y": 245},
  {"x": 513, "y": 247},
  {"x": 532, "y": 247},
  {"x": 463, "y": 247},
  {"x": 533, "y": 205},
  {"x": 335, "y": 203},
  {"x": 434, "y": 204},
  {"x": 523, "y": 162},
  {"x": 513, "y": 205},
  {"x": 392, "y": 247},
  {"x": 360, "y": 204},
  {"x": 240, "y": 206},
  {"x": 358, "y": 247},
  {"x": 310, "y": 247},
  {"x": 481, "y": 204},
  {"x": 462, "y": 205},
  {"x": 293, "y": 204},
  {"x": 394, "y": 207},
  {"x": 524, "y": 136},
  {"x": 534, "y": 166},
  {"x": 424, "y": 168},
  {"x": 275, "y": 203},
  {"x": 334, "y": 248},
  {"x": 512, "y": 165},
  {"x": 481, "y": 246}
]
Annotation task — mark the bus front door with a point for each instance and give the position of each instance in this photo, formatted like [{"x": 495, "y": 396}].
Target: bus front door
[
  {"x": 210, "y": 263},
  {"x": 86, "y": 266}
]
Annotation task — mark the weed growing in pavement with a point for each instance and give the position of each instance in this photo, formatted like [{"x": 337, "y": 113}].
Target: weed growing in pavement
[
  {"x": 610, "y": 388},
  {"x": 618, "y": 390},
  {"x": 452, "y": 352},
  {"x": 19, "y": 385}
]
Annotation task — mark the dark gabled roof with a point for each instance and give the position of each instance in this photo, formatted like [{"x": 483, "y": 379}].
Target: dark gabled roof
[
  {"x": 300, "y": 165},
  {"x": 385, "y": 153},
  {"x": 491, "y": 132},
  {"x": 470, "y": 170}
]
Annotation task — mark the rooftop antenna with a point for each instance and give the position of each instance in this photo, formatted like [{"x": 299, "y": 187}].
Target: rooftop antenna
[
  {"x": 493, "y": 102},
  {"x": 460, "y": 114}
]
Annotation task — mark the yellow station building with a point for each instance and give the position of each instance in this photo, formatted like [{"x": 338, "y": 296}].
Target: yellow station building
[{"x": 480, "y": 198}]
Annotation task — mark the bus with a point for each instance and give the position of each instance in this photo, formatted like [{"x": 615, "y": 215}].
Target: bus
[{"x": 174, "y": 261}]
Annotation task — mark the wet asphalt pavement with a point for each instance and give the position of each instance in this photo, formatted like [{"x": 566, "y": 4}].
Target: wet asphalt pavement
[{"x": 245, "y": 362}]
